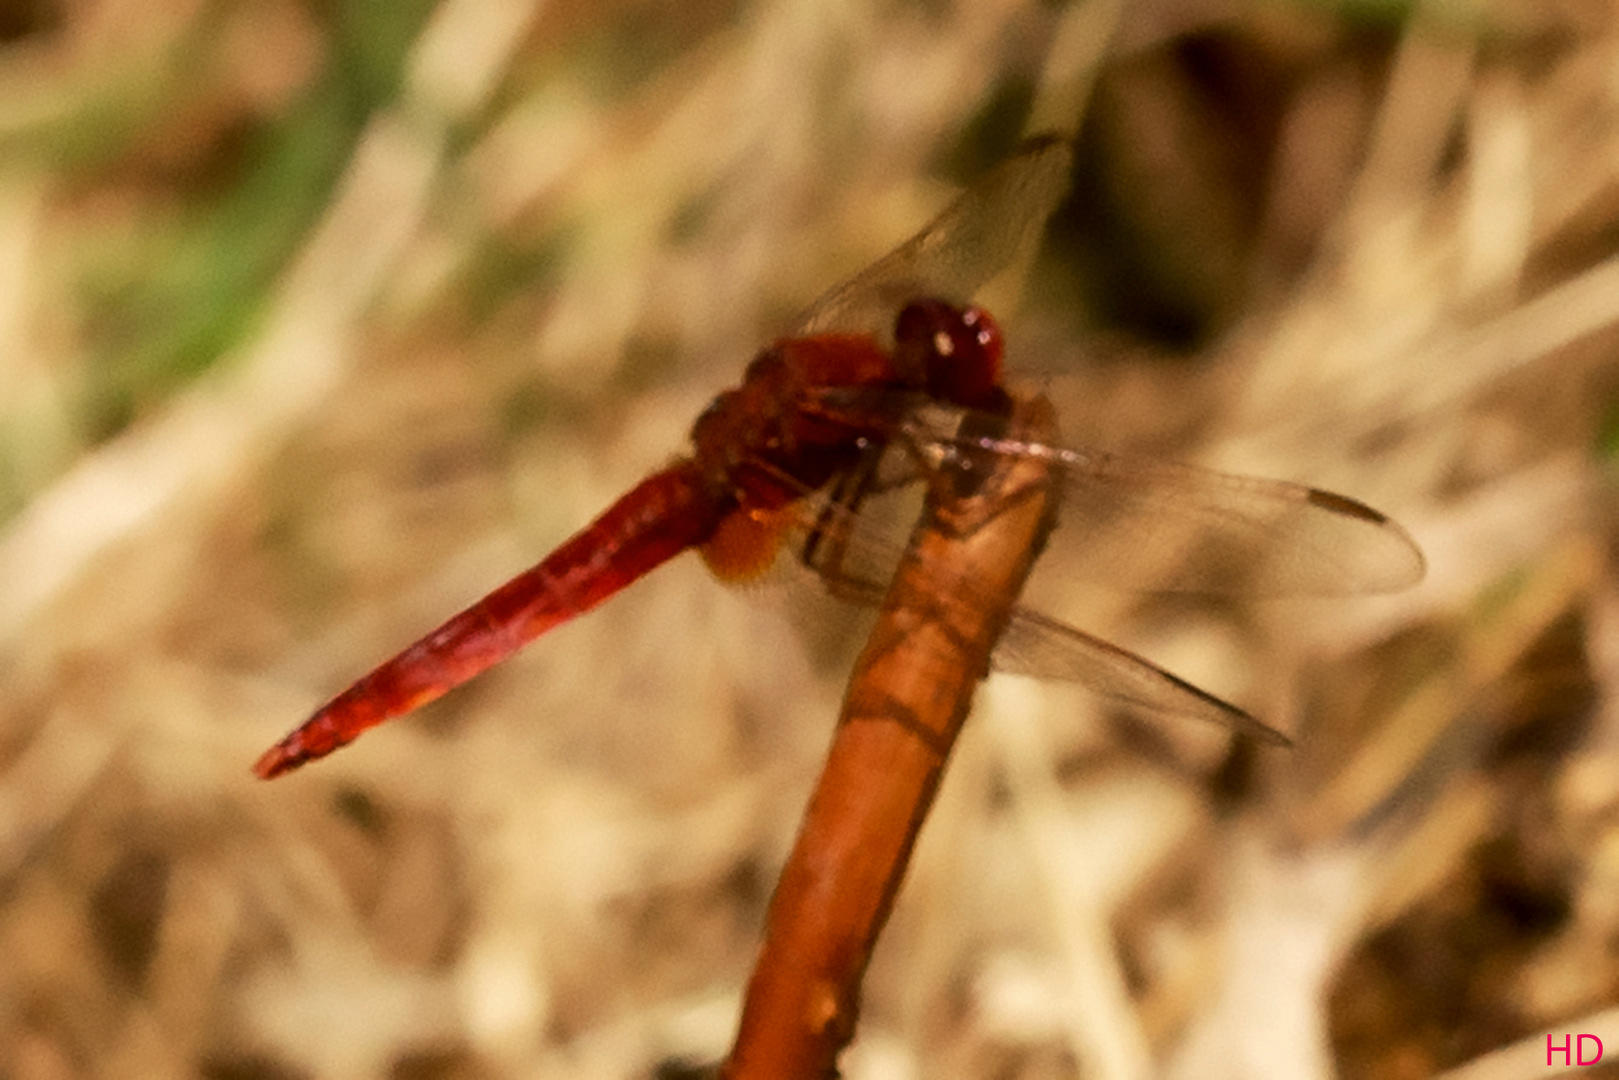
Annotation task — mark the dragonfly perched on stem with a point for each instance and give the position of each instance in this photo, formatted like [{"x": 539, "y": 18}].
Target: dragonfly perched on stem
[
  {"x": 983, "y": 520},
  {"x": 832, "y": 418}
]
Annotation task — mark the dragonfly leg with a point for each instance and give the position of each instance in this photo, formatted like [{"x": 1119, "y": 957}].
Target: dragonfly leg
[{"x": 826, "y": 547}]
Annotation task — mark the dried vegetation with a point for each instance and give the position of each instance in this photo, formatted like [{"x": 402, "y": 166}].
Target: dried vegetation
[{"x": 318, "y": 320}]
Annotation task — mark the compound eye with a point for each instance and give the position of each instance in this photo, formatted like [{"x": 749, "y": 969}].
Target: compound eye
[
  {"x": 986, "y": 332},
  {"x": 955, "y": 353},
  {"x": 924, "y": 324}
]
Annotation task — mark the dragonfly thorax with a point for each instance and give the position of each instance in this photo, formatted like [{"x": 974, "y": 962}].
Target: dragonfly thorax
[{"x": 771, "y": 439}]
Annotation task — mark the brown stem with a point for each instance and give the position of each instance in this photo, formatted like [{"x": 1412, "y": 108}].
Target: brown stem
[{"x": 910, "y": 691}]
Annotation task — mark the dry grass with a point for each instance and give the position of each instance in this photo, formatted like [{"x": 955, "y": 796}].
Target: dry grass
[{"x": 315, "y": 326}]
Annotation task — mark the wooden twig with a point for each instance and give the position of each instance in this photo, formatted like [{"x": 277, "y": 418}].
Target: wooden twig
[{"x": 910, "y": 691}]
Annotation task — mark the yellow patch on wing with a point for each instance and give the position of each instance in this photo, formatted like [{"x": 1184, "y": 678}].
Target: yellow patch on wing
[{"x": 746, "y": 543}]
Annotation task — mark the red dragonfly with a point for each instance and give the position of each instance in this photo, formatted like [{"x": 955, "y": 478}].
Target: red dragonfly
[{"x": 828, "y": 422}]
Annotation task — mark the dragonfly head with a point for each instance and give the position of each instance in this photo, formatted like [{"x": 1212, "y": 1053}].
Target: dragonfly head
[{"x": 954, "y": 352}]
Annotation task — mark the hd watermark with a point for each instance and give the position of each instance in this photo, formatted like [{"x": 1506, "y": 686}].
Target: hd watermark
[{"x": 1578, "y": 1049}]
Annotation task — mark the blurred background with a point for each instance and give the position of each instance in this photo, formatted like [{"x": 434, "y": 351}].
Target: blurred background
[{"x": 318, "y": 320}]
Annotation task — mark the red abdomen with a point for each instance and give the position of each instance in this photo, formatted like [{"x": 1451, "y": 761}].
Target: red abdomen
[{"x": 660, "y": 517}]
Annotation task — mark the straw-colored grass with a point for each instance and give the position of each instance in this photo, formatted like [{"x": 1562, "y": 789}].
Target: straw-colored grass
[{"x": 317, "y": 321}]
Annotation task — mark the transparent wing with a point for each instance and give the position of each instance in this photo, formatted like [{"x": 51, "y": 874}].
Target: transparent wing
[
  {"x": 1039, "y": 646},
  {"x": 1140, "y": 524},
  {"x": 971, "y": 241},
  {"x": 1125, "y": 522},
  {"x": 855, "y": 552}
]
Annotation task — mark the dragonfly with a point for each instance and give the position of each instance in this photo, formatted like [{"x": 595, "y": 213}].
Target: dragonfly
[{"x": 859, "y": 402}]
